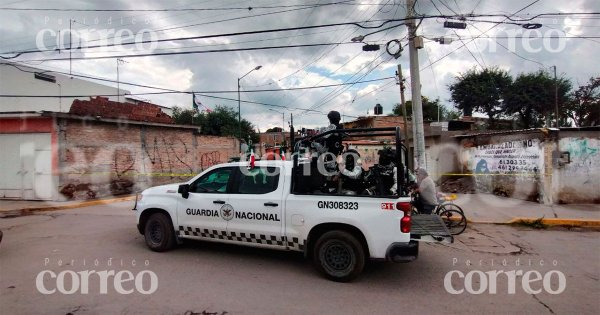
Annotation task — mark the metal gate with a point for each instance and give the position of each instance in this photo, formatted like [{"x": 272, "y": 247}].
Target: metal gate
[{"x": 26, "y": 166}]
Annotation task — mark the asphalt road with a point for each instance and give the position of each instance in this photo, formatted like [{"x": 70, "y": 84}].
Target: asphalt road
[{"x": 210, "y": 278}]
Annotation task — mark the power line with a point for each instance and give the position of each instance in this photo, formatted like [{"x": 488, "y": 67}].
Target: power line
[
  {"x": 329, "y": 51},
  {"x": 489, "y": 29},
  {"x": 249, "y": 8},
  {"x": 358, "y": 24},
  {"x": 188, "y": 52},
  {"x": 225, "y": 20},
  {"x": 169, "y": 91},
  {"x": 465, "y": 45}
]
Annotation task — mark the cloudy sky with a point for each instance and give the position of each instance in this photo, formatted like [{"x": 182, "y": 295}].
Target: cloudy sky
[{"x": 571, "y": 42}]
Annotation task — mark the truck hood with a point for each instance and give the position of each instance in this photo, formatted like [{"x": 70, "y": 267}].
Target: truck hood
[{"x": 163, "y": 189}]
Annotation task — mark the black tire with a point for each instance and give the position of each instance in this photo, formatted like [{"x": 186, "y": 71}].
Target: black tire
[
  {"x": 455, "y": 221},
  {"x": 339, "y": 256},
  {"x": 159, "y": 233}
]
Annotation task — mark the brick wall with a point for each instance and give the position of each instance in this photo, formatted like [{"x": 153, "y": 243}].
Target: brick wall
[
  {"x": 103, "y": 107},
  {"x": 99, "y": 159}
]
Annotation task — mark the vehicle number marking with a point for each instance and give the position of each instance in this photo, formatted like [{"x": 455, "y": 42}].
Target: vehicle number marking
[
  {"x": 342, "y": 205},
  {"x": 387, "y": 206}
]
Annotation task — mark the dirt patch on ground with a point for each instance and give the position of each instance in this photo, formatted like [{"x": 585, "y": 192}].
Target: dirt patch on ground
[{"x": 460, "y": 185}]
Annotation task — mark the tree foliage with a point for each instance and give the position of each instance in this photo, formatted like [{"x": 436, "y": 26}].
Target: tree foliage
[
  {"x": 583, "y": 108},
  {"x": 430, "y": 110},
  {"x": 274, "y": 129},
  {"x": 222, "y": 121},
  {"x": 532, "y": 98},
  {"x": 482, "y": 91}
]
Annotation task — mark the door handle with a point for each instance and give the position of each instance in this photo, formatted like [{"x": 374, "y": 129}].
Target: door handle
[
  {"x": 271, "y": 204},
  {"x": 219, "y": 202}
]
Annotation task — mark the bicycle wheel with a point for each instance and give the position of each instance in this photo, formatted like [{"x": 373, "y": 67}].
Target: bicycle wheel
[
  {"x": 450, "y": 206},
  {"x": 455, "y": 221}
]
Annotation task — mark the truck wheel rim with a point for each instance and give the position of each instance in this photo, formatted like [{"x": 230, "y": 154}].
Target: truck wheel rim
[
  {"x": 337, "y": 256},
  {"x": 156, "y": 232}
]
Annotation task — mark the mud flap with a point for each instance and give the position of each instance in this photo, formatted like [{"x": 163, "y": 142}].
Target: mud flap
[{"x": 429, "y": 228}]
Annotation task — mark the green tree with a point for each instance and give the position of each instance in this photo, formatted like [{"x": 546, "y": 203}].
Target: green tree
[
  {"x": 430, "y": 110},
  {"x": 583, "y": 108},
  {"x": 183, "y": 116},
  {"x": 222, "y": 121},
  {"x": 274, "y": 129},
  {"x": 531, "y": 98},
  {"x": 482, "y": 91}
]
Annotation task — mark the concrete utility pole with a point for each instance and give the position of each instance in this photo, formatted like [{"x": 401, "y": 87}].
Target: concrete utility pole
[
  {"x": 415, "y": 82},
  {"x": 556, "y": 99},
  {"x": 404, "y": 117},
  {"x": 240, "y": 106}
]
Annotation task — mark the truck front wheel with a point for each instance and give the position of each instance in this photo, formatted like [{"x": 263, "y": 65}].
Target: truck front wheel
[
  {"x": 159, "y": 233},
  {"x": 339, "y": 256}
]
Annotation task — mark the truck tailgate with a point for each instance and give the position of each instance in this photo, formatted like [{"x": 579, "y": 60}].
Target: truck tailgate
[{"x": 429, "y": 228}]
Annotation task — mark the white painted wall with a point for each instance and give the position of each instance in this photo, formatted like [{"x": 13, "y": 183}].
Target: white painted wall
[{"x": 16, "y": 82}]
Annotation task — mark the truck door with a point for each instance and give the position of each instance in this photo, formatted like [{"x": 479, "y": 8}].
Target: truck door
[
  {"x": 203, "y": 214},
  {"x": 256, "y": 199}
]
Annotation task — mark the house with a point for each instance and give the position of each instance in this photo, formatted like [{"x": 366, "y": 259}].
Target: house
[{"x": 58, "y": 143}]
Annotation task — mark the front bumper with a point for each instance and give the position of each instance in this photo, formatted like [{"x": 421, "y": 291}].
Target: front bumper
[{"x": 402, "y": 252}]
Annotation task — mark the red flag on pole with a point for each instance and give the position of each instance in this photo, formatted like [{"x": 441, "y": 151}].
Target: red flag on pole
[{"x": 252, "y": 158}]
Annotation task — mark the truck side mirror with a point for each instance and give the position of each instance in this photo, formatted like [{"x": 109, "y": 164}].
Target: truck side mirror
[{"x": 184, "y": 190}]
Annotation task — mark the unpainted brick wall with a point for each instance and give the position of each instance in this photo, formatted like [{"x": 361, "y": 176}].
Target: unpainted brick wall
[{"x": 102, "y": 159}]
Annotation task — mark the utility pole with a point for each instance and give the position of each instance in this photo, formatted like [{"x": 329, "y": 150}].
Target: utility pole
[
  {"x": 404, "y": 117},
  {"x": 70, "y": 47},
  {"x": 240, "y": 106},
  {"x": 118, "y": 83},
  {"x": 119, "y": 61},
  {"x": 556, "y": 99},
  {"x": 415, "y": 82},
  {"x": 292, "y": 133}
]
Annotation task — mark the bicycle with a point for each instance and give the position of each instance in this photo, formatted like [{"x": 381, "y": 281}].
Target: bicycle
[{"x": 451, "y": 213}]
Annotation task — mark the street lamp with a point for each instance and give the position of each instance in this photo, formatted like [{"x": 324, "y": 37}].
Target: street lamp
[
  {"x": 282, "y": 124},
  {"x": 240, "y": 108}
]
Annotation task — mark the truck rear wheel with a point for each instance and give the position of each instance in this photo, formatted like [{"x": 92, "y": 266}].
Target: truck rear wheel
[
  {"x": 159, "y": 233},
  {"x": 339, "y": 256}
]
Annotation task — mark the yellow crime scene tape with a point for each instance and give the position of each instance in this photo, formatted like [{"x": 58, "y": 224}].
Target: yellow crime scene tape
[
  {"x": 136, "y": 174},
  {"x": 493, "y": 174},
  {"x": 160, "y": 174}
]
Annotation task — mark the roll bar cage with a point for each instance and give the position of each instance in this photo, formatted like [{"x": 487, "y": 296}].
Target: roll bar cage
[{"x": 360, "y": 133}]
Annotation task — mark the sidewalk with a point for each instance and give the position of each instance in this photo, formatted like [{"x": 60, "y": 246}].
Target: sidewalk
[
  {"x": 487, "y": 208},
  {"x": 16, "y": 208}
]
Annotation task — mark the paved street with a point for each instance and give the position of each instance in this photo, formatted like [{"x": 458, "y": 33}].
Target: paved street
[{"x": 201, "y": 277}]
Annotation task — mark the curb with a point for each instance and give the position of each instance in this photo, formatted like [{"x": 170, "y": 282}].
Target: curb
[
  {"x": 549, "y": 222},
  {"x": 31, "y": 210},
  {"x": 558, "y": 221}
]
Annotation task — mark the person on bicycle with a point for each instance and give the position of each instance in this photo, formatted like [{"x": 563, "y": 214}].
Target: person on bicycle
[{"x": 427, "y": 193}]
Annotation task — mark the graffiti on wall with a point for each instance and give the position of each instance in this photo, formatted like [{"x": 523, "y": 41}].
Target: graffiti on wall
[
  {"x": 163, "y": 155},
  {"x": 209, "y": 159},
  {"x": 584, "y": 152}
]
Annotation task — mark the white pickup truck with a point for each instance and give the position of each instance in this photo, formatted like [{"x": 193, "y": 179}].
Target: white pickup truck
[{"x": 258, "y": 207}]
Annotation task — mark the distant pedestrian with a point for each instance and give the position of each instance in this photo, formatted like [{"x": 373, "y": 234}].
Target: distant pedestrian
[{"x": 427, "y": 193}]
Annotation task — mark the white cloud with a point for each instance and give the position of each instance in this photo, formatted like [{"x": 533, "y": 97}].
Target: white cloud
[{"x": 299, "y": 67}]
